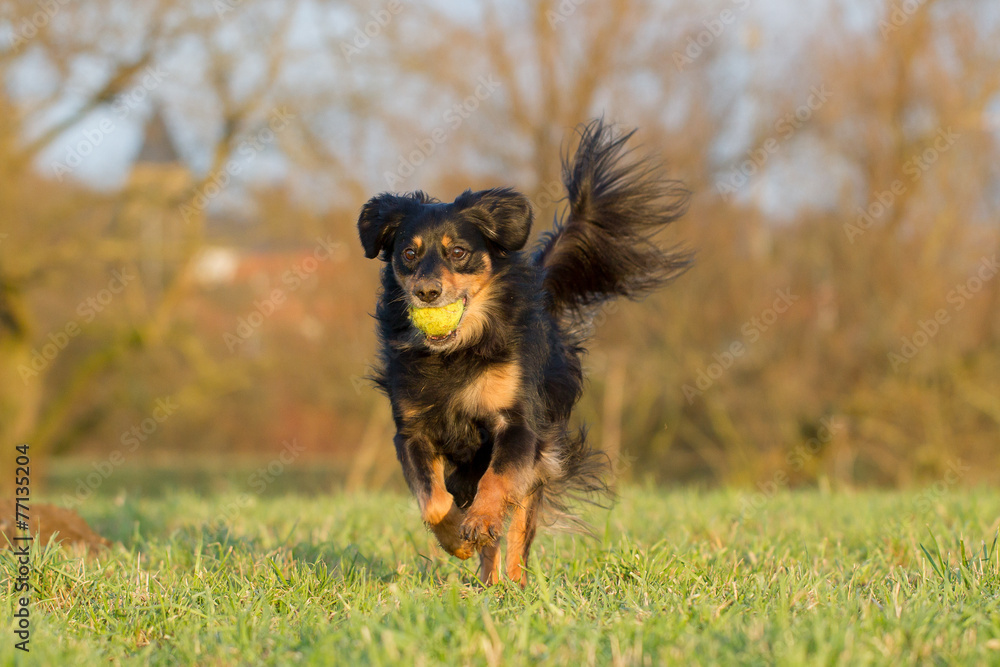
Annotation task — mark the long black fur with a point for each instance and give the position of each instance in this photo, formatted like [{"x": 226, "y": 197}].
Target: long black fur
[
  {"x": 604, "y": 248},
  {"x": 531, "y": 312}
]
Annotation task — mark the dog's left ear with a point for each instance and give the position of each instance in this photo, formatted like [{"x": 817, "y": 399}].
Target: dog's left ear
[
  {"x": 502, "y": 215},
  {"x": 381, "y": 217}
]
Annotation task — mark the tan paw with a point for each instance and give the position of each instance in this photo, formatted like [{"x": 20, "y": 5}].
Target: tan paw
[
  {"x": 481, "y": 528},
  {"x": 451, "y": 542}
]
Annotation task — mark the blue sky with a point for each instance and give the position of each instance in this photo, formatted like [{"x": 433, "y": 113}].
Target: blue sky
[{"x": 782, "y": 35}]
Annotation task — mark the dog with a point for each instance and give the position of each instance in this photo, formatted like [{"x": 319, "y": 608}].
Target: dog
[{"x": 482, "y": 410}]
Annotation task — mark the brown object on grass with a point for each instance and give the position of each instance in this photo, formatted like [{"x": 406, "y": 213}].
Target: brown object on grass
[{"x": 46, "y": 520}]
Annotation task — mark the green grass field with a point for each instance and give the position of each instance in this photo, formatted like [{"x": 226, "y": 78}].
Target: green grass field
[{"x": 673, "y": 577}]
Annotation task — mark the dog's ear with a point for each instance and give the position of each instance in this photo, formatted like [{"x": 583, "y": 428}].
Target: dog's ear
[
  {"x": 502, "y": 215},
  {"x": 381, "y": 217}
]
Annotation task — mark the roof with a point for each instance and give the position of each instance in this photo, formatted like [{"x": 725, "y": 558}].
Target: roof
[{"x": 157, "y": 145}]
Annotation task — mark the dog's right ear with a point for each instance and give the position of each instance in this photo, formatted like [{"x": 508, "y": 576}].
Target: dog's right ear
[{"x": 381, "y": 217}]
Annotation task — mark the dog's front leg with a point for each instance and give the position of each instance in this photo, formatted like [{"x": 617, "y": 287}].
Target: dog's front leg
[
  {"x": 505, "y": 483},
  {"x": 424, "y": 473}
]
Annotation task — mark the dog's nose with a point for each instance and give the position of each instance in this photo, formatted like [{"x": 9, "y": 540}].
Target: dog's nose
[{"x": 428, "y": 290}]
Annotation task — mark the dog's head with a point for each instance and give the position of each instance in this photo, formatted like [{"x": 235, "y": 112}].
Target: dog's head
[{"x": 441, "y": 253}]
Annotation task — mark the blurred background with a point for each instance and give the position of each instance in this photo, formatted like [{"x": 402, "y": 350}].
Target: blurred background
[{"x": 184, "y": 302}]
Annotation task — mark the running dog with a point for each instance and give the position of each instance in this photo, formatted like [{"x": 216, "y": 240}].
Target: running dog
[{"x": 482, "y": 402}]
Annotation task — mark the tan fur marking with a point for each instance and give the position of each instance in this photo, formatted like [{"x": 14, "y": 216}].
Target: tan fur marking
[
  {"x": 476, "y": 318},
  {"x": 447, "y": 533},
  {"x": 440, "y": 512},
  {"x": 496, "y": 389},
  {"x": 497, "y": 493},
  {"x": 469, "y": 284},
  {"x": 446, "y": 240},
  {"x": 489, "y": 564},
  {"x": 435, "y": 508},
  {"x": 418, "y": 242},
  {"x": 495, "y": 496},
  {"x": 408, "y": 410},
  {"x": 484, "y": 518},
  {"x": 494, "y": 491},
  {"x": 516, "y": 538}
]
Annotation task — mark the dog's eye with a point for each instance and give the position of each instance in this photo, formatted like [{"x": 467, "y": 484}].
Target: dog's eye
[
  {"x": 409, "y": 254},
  {"x": 457, "y": 252}
]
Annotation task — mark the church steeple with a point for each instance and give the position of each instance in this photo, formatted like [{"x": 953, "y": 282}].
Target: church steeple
[
  {"x": 157, "y": 144},
  {"x": 159, "y": 173},
  {"x": 158, "y": 184}
]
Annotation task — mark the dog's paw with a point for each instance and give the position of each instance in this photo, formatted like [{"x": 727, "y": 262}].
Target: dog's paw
[
  {"x": 463, "y": 551},
  {"x": 481, "y": 529},
  {"x": 449, "y": 537},
  {"x": 454, "y": 544}
]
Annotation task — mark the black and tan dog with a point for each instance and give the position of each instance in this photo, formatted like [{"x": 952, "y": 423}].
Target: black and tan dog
[{"x": 481, "y": 411}]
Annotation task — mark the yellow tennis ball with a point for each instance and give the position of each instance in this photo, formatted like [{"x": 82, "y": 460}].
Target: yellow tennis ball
[{"x": 438, "y": 322}]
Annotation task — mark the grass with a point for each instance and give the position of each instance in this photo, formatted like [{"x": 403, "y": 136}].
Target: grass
[{"x": 673, "y": 577}]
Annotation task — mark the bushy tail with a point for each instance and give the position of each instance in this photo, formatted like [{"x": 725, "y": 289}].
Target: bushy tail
[
  {"x": 584, "y": 478},
  {"x": 603, "y": 248}
]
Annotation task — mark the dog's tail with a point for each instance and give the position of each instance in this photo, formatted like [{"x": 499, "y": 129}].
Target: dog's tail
[
  {"x": 583, "y": 478},
  {"x": 602, "y": 247}
]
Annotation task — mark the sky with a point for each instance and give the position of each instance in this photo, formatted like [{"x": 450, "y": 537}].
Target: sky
[{"x": 779, "y": 32}]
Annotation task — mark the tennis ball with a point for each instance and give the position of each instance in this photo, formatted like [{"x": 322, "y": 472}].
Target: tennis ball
[{"x": 438, "y": 322}]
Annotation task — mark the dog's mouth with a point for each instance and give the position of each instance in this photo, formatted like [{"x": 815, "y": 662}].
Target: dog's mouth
[{"x": 440, "y": 325}]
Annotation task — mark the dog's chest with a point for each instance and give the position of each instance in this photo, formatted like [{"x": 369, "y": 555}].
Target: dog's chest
[
  {"x": 458, "y": 415},
  {"x": 489, "y": 392}
]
